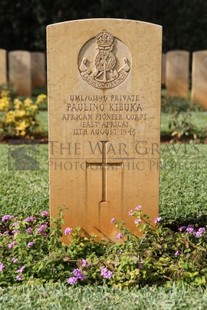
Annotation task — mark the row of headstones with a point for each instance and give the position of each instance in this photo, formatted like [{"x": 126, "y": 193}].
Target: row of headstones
[
  {"x": 26, "y": 70},
  {"x": 176, "y": 75}
]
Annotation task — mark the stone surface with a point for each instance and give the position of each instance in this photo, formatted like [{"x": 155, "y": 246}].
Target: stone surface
[
  {"x": 3, "y": 69},
  {"x": 199, "y": 78},
  {"x": 177, "y": 73},
  {"x": 163, "y": 72},
  {"x": 38, "y": 69},
  {"x": 104, "y": 78},
  {"x": 20, "y": 72}
]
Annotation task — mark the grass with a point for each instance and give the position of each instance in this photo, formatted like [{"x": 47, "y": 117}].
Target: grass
[
  {"x": 58, "y": 296},
  {"x": 24, "y": 192},
  {"x": 183, "y": 182}
]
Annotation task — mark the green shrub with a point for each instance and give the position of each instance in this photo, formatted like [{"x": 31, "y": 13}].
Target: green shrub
[{"x": 181, "y": 126}]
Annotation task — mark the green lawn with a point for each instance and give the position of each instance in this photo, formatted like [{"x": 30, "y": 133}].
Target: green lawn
[
  {"x": 58, "y": 296},
  {"x": 183, "y": 181}
]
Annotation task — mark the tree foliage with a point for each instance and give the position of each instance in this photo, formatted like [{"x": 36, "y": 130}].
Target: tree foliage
[{"x": 23, "y": 22}]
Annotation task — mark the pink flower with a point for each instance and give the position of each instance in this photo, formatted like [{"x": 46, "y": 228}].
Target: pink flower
[
  {"x": 177, "y": 253},
  {"x": 200, "y": 232},
  {"x": 15, "y": 232},
  {"x": 72, "y": 280},
  {"x": 15, "y": 224},
  {"x": 14, "y": 260},
  {"x": 30, "y": 219},
  {"x": 157, "y": 219},
  {"x": 137, "y": 221},
  {"x": 20, "y": 270},
  {"x": 84, "y": 262},
  {"x": 131, "y": 213},
  {"x": 106, "y": 274},
  {"x": 10, "y": 245},
  {"x": 41, "y": 228},
  {"x": 79, "y": 274},
  {"x": 30, "y": 244},
  {"x": 67, "y": 231},
  {"x": 119, "y": 236},
  {"x": 7, "y": 217},
  {"x": 182, "y": 228},
  {"x": 19, "y": 277},
  {"x": 29, "y": 230},
  {"x": 45, "y": 213},
  {"x": 138, "y": 208},
  {"x": 1, "y": 267},
  {"x": 113, "y": 220},
  {"x": 190, "y": 229}
]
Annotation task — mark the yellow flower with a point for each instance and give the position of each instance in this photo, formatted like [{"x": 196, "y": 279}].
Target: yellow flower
[
  {"x": 27, "y": 102},
  {"x": 4, "y": 104},
  {"x": 10, "y": 117},
  {"x": 18, "y": 104},
  {"x": 21, "y": 128},
  {"x": 40, "y": 98},
  {"x": 33, "y": 108},
  {"x": 20, "y": 113},
  {"x": 22, "y": 133}
]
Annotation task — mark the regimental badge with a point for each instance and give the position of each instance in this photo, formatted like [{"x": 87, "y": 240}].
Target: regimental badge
[{"x": 104, "y": 61}]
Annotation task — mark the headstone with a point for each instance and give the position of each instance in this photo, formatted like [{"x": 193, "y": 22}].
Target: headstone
[
  {"x": 20, "y": 72},
  {"x": 177, "y": 73},
  {"x": 104, "y": 78},
  {"x": 163, "y": 73},
  {"x": 199, "y": 78},
  {"x": 38, "y": 70},
  {"x": 3, "y": 69}
]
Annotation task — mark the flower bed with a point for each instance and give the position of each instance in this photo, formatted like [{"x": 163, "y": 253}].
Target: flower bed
[{"x": 31, "y": 251}]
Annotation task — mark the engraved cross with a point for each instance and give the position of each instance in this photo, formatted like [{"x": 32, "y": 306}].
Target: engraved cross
[{"x": 104, "y": 165}]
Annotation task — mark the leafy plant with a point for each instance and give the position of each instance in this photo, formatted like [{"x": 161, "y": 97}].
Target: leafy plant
[{"x": 181, "y": 126}]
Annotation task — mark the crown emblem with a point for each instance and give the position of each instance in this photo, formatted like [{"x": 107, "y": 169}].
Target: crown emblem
[
  {"x": 104, "y": 38},
  {"x": 100, "y": 66}
]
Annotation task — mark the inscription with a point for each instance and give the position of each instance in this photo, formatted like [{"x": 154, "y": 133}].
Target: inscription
[
  {"x": 98, "y": 98},
  {"x": 104, "y": 115}
]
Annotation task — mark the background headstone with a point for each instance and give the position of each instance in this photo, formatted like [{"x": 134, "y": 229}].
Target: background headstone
[
  {"x": 3, "y": 68},
  {"x": 38, "y": 69},
  {"x": 177, "y": 73},
  {"x": 104, "y": 78},
  {"x": 20, "y": 72},
  {"x": 163, "y": 75},
  {"x": 199, "y": 78}
]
